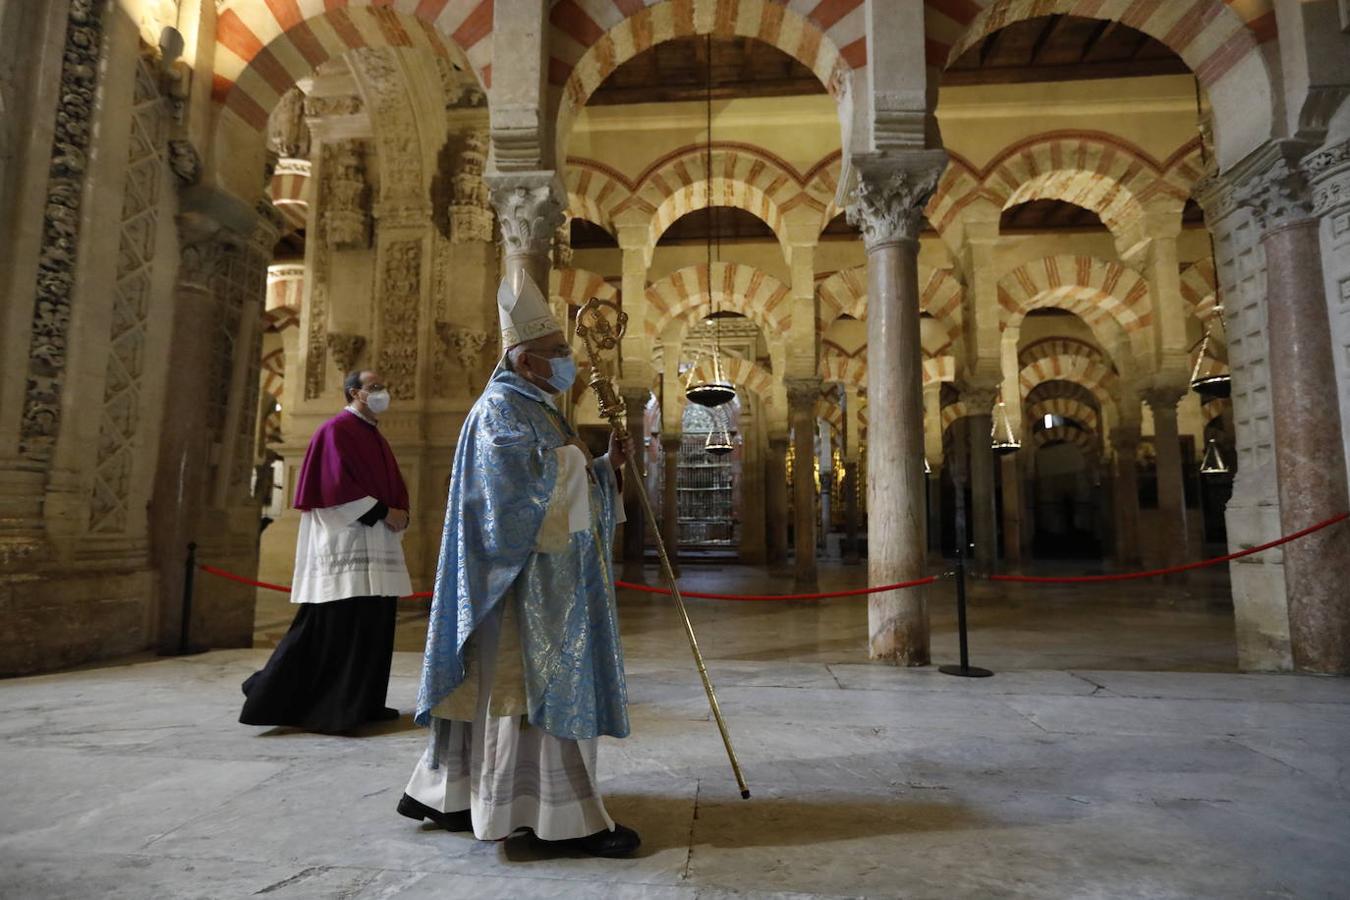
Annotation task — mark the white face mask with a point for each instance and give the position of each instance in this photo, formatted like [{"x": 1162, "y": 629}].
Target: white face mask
[{"x": 377, "y": 401}]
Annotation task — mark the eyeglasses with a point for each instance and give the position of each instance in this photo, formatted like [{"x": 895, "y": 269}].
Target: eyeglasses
[
  {"x": 553, "y": 353},
  {"x": 372, "y": 388}
]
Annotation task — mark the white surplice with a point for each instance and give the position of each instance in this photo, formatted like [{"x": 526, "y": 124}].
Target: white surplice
[
  {"x": 484, "y": 755},
  {"x": 337, "y": 557}
]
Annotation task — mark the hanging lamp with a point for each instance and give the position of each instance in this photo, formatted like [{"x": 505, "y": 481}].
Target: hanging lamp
[
  {"x": 1213, "y": 463},
  {"x": 1209, "y": 387},
  {"x": 717, "y": 390},
  {"x": 1001, "y": 435},
  {"x": 719, "y": 439}
]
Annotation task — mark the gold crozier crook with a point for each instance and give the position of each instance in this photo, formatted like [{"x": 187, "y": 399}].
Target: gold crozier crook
[{"x": 599, "y": 334}]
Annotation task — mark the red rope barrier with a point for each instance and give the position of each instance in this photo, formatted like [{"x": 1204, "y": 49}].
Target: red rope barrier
[
  {"x": 1023, "y": 579},
  {"x": 422, "y": 595},
  {"x": 823, "y": 596},
  {"x": 1172, "y": 570}
]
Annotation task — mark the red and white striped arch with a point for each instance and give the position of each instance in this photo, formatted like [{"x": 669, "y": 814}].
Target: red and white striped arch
[
  {"x": 849, "y": 370},
  {"x": 589, "y": 39},
  {"x": 290, "y": 191},
  {"x": 690, "y": 294},
  {"x": 285, "y": 291},
  {"x": 1067, "y": 408},
  {"x": 738, "y": 175},
  {"x": 264, "y": 46},
  {"x": 845, "y": 293},
  {"x": 1066, "y": 360},
  {"x": 595, "y": 191},
  {"x": 1095, "y": 170},
  {"x": 1212, "y": 36},
  {"x": 1067, "y": 434},
  {"x": 1094, "y": 289},
  {"x": 576, "y": 286},
  {"x": 274, "y": 373}
]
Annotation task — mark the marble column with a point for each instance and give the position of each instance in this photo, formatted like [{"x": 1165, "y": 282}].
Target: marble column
[
  {"x": 1125, "y": 487},
  {"x": 670, "y": 495},
  {"x": 984, "y": 511},
  {"x": 635, "y": 529},
  {"x": 1012, "y": 507},
  {"x": 776, "y": 505},
  {"x": 802, "y": 396},
  {"x": 932, "y": 443},
  {"x": 852, "y": 550},
  {"x": 1162, "y": 401},
  {"x": 888, "y": 206},
  {"x": 1309, "y": 454}
]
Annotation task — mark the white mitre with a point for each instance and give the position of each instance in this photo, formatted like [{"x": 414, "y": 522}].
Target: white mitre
[{"x": 523, "y": 310}]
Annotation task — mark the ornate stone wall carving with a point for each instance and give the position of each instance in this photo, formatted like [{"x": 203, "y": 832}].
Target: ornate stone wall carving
[
  {"x": 287, "y": 132},
  {"x": 345, "y": 349},
  {"x": 402, "y": 192},
  {"x": 470, "y": 208},
  {"x": 346, "y": 196},
  {"x": 467, "y": 345},
  {"x": 400, "y": 303},
  {"x": 328, "y": 107},
  {"x": 61, "y": 228},
  {"x": 131, "y": 298}
]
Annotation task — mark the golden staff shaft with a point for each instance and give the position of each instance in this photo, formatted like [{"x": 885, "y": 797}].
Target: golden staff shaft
[{"x": 612, "y": 408}]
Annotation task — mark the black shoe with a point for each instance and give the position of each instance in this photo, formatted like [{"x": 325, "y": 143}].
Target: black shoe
[
  {"x": 622, "y": 841},
  {"x": 450, "y": 821},
  {"x": 385, "y": 714}
]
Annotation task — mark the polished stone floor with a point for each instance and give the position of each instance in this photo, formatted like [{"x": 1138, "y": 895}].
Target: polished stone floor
[{"x": 1115, "y": 754}]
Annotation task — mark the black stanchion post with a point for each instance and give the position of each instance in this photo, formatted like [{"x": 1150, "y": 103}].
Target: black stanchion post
[
  {"x": 965, "y": 670},
  {"x": 185, "y": 648}
]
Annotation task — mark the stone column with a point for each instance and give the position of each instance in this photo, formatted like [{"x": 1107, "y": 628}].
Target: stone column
[
  {"x": 932, "y": 442},
  {"x": 979, "y": 402},
  {"x": 1162, "y": 400},
  {"x": 802, "y": 396},
  {"x": 635, "y": 529},
  {"x": 1012, "y": 507},
  {"x": 670, "y": 499},
  {"x": 1125, "y": 484},
  {"x": 776, "y": 505},
  {"x": 1309, "y": 455},
  {"x": 852, "y": 449},
  {"x": 888, "y": 205}
]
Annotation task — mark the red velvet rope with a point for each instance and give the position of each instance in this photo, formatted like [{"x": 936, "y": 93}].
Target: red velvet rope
[
  {"x": 422, "y": 595},
  {"x": 1172, "y": 570},
  {"x": 1023, "y": 579}
]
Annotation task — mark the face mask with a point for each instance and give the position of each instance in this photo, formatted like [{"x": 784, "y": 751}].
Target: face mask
[
  {"x": 564, "y": 373},
  {"x": 377, "y": 401}
]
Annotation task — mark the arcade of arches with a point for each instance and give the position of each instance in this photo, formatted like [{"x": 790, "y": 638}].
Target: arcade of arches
[{"x": 896, "y": 228}]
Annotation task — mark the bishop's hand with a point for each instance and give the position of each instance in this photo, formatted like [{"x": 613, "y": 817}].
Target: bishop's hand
[{"x": 618, "y": 449}]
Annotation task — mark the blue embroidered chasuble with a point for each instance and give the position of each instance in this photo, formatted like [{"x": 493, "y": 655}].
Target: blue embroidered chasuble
[{"x": 504, "y": 474}]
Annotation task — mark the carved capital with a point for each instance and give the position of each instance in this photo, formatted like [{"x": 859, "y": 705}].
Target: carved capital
[
  {"x": 185, "y": 161},
  {"x": 345, "y": 349},
  {"x": 468, "y": 346},
  {"x": 1329, "y": 172},
  {"x": 888, "y": 201},
  {"x": 1163, "y": 398},
  {"x": 979, "y": 399},
  {"x": 1276, "y": 190},
  {"x": 530, "y": 209},
  {"x": 802, "y": 394},
  {"x": 199, "y": 262}
]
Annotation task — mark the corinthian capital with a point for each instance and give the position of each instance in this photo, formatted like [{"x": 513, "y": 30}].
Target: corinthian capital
[
  {"x": 1277, "y": 191},
  {"x": 802, "y": 393},
  {"x": 891, "y": 193},
  {"x": 1329, "y": 172},
  {"x": 529, "y": 207}
]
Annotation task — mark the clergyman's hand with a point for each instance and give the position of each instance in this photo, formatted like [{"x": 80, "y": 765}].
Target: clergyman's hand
[{"x": 396, "y": 519}]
